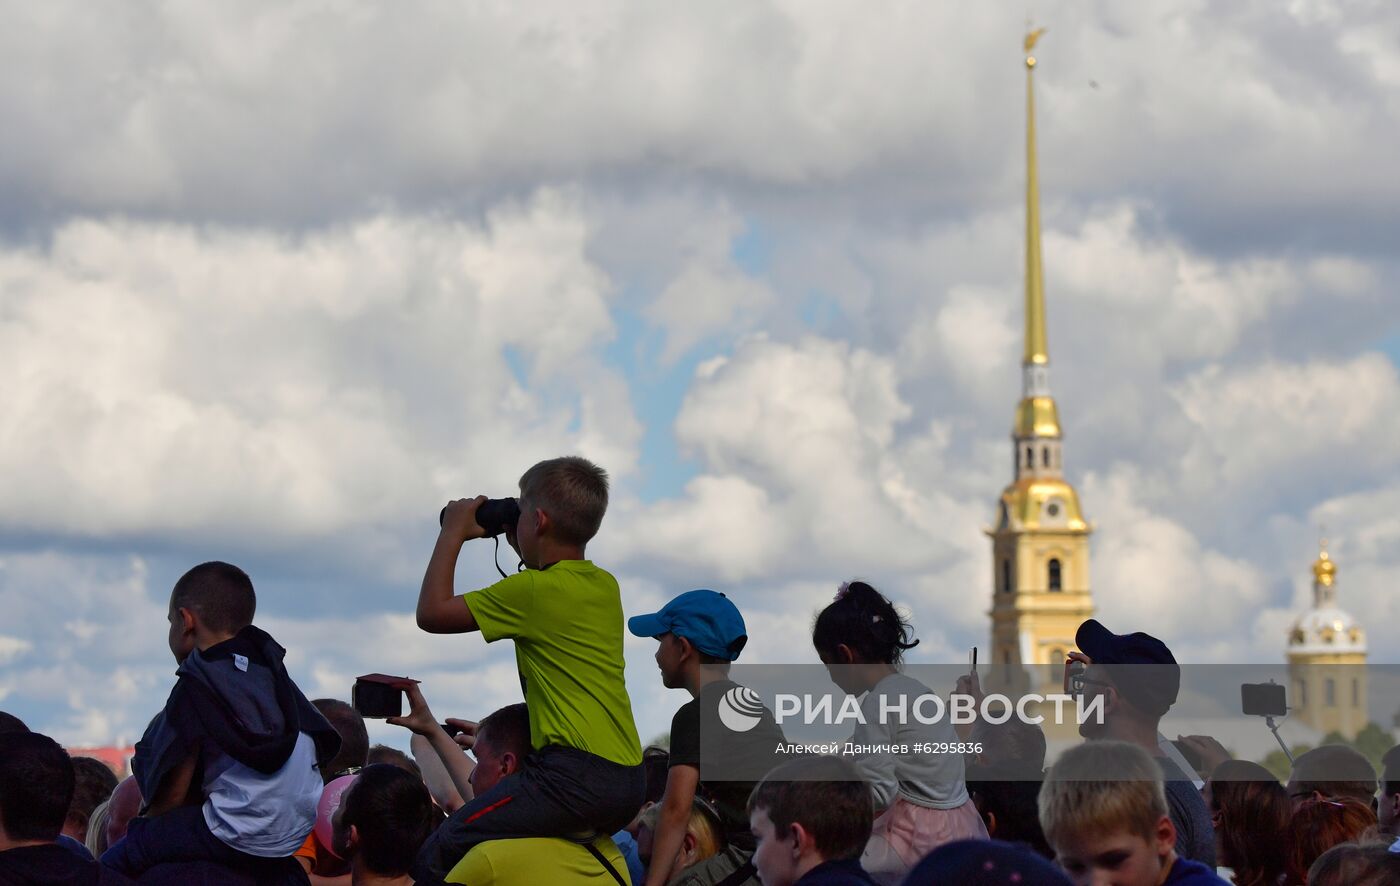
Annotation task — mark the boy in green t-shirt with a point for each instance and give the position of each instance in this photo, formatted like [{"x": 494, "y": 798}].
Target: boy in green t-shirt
[{"x": 565, "y": 616}]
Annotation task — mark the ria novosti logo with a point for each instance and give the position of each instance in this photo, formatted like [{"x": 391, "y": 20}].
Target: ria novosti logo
[{"x": 740, "y": 709}]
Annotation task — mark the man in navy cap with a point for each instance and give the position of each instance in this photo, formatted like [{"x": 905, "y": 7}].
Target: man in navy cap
[
  {"x": 699, "y": 634},
  {"x": 1139, "y": 679}
]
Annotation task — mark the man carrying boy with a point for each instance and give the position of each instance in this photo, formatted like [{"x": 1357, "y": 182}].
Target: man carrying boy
[
  {"x": 36, "y": 787},
  {"x": 565, "y": 616},
  {"x": 1104, "y": 812},
  {"x": 812, "y": 818},
  {"x": 700, "y": 633},
  {"x": 229, "y": 768}
]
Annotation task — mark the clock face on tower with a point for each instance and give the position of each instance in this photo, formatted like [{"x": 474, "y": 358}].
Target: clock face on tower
[{"x": 1054, "y": 511}]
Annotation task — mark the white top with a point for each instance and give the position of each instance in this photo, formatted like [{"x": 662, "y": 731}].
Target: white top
[
  {"x": 931, "y": 779},
  {"x": 264, "y": 815},
  {"x": 1327, "y": 630}
]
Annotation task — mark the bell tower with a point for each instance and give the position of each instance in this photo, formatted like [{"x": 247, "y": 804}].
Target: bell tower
[{"x": 1040, "y": 541}]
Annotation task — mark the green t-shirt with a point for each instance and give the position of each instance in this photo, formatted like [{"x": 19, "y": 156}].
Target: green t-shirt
[{"x": 566, "y": 622}]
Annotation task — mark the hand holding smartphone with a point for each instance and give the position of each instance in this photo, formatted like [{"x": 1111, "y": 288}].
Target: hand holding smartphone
[{"x": 378, "y": 696}]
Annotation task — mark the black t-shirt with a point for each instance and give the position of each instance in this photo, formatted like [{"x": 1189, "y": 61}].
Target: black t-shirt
[
  {"x": 53, "y": 865},
  {"x": 730, "y": 762}
]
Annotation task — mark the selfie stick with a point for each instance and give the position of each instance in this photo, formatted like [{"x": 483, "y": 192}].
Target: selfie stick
[{"x": 1273, "y": 727}]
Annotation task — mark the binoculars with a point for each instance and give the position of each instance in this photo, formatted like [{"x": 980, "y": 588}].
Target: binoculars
[{"x": 495, "y": 515}]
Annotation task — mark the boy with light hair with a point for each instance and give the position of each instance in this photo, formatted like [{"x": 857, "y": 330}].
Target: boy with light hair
[
  {"x": 564, "y": 616},
  {"x": 1104, "y": 811}
]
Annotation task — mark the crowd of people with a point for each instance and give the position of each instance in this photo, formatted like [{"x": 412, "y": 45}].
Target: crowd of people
[{"x": 240, "y": 779}]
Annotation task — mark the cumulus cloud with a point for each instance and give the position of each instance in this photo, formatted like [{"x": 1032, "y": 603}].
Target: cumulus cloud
[
  {"x": 1152, "y": 573},
  {"x": 12, "y": 648},
  {"x": 812, "y": 478},
  {"x": 83, "y": 688},
  {"x": 710, "y": 294},
  {"x": 232, "y": 112},
  {"x": 1320, "y": 424},
  {"x": 183, "y": 380}
]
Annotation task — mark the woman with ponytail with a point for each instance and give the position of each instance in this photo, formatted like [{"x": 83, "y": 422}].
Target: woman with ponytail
[{"x": 921, "y": 800}]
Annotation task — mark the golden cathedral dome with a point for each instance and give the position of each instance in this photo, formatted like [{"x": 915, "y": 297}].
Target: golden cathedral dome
[
  {"x": 1040, "y": 503},
  {"x": 1326, "y": 628},
  {"x": 1324, "y": 570},
  {"x": 1331, "y": 631}
]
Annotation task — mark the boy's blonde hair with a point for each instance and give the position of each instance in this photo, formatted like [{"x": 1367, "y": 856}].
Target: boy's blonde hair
[
  {"x": 573, "y": 491},
  {"x": 702, "y": 825},
  {"x": 1102, "y": 787}
]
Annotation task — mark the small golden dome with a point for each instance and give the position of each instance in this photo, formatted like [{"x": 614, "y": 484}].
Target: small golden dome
[
  {"x": 1324, "y": 570},
  {"x": 1037, "y": 417}
]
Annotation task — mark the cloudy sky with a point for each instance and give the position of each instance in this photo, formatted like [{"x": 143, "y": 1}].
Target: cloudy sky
[{"x": 277, "y": 280}]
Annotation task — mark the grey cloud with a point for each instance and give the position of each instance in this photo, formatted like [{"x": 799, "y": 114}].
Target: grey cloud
[{"x": 1252, "y": 128}]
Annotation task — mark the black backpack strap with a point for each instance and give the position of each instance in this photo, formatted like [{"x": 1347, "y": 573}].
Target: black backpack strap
[
  {"x": 743, "y": 874},
  {"x": 606, "y": 864}
]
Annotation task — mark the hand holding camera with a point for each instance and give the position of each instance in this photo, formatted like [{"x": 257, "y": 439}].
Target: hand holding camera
[
  {"x": 419, "y": 720},
  {"x": 462, "y": 731},
  {"x": 1076, "y": 665}
]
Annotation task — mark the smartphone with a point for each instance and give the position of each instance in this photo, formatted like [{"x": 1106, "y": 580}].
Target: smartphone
[
  {"x": 1074, "y": 677},
  {"x": 378, "y": 695},
  {"x": 1263, "y": 700},
  {"x": 452, "y": 731},
  {"x": 972, "y": 661}
]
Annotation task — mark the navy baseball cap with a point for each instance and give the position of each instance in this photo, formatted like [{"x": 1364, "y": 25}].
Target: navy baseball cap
[
  {"x": 985, "y": 863},
  {"x": 1153, "y": 684},
  {"x": 708, "y": 619}
]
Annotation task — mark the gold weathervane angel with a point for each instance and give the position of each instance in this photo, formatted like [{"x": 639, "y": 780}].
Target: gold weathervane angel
[{"x": 1032, "y": 37}]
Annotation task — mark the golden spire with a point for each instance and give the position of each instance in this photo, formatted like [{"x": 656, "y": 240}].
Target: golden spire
[
  {"x": 1036, "y": 416},
  {"x": 1036, "y": 349}
]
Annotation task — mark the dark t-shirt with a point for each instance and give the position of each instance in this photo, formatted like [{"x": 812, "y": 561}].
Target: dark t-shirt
[
  {"x": 846, "y": 872},
  {"x": 1195, "y": 837},
  {"x": 730, "y": 762},
  {"x": 53, "y": 864},
  {"x": 1191, "y": 873}
]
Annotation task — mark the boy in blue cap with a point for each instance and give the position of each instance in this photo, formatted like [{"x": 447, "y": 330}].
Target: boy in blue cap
[{"x": 700, "y": 633}]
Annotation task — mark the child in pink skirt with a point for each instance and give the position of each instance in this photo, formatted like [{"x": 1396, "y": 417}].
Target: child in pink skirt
[{"x": 921, "y": 800}]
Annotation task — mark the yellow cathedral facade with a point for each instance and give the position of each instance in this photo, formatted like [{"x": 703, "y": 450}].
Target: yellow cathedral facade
[{"x": 1040, "y": 541}]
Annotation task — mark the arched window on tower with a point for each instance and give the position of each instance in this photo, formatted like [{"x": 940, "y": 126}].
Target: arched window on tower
[
  {"x": 1045, "y": 456},
  {"x": 1055, "y": 581},
  {"x": 1331, "y": 687},
  {"x": 1030, "y": 457},
  {"x": 1355, "y": 692},
  {"x": 1006, "y": 575}
]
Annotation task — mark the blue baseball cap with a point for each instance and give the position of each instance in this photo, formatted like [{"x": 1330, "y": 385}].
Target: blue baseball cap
[{"x": 708, "y": 619}]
